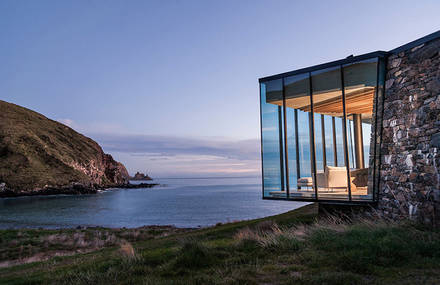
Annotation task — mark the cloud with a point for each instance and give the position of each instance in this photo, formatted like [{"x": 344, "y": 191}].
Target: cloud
[
  {"x": 186, "y": 157},
  {"x": 176, "y": 156},
  {"x": 168, "y": 146},
  {"x": 69, "y": 123},
  {"x": 93, "y": 127}
]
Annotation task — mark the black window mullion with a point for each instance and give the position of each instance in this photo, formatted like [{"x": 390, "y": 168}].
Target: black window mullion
[
  {"x": 261, "y": 143},
  {"x": 312, "y": 137},
  {"x": 286, "y": 155},
  {"x": 324, "y": 153},
  {"x": 298, "y": 171},
  {"x": 280, "y": 139},
  {"x": 344, "y": 126},
  {"x": 335, "y": 149},
  {"x": 375, "y": 130}
]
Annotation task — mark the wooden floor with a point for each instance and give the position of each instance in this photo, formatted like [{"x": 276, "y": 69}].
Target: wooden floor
[{"x": 332, "y": 194}]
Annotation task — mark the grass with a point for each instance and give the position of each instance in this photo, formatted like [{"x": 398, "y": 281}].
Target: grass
[
  {"x": 21, "y": 246},
  {"x": 292, "y": 248}
]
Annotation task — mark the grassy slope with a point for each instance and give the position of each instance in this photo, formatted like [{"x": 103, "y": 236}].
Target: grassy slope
[
  {"x": 34, "y": 150},
  {"x": 228, "y": 254}
]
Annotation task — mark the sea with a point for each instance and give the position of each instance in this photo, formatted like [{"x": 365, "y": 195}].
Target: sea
[{"x": 181, "y": 202}]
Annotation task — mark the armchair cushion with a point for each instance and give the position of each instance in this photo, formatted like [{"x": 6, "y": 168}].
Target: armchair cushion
[{"x": 336, "y": 176}]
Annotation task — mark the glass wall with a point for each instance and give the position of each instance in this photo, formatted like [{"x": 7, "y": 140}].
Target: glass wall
[
  {"x": 327, "y": 100},
  {"x": 271, "y": 136},
  {"x": 319, "y": 143},
  {"x": 316, "y": 130},
  {"x": 360, "y": 82},
  {"x": 297, "y": 100},
  {"x": 350, "y": 143},
  {"x": 340, "y": 161},
  {"x": 328, "y": 140}
]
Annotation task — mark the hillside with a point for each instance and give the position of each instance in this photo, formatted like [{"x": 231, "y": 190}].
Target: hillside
[{"x": 39, "y": 155}]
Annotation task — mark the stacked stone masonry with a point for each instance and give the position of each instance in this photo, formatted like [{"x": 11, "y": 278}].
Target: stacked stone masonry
[{"x": 410, "y": 141}]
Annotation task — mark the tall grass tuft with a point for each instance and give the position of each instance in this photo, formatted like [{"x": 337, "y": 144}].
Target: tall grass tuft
[
  {"x": 269, "y": 237},
  {"x": 127, "y": 250}
]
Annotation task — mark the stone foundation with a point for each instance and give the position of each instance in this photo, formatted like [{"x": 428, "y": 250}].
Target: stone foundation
[{"x": 410, "y": 162}]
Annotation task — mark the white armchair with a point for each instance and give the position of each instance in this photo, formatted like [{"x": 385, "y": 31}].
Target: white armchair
[{"x": 332, "y": 177}]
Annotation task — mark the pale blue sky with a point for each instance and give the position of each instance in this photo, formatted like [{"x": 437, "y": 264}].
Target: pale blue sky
[{"x": 179, "y": 78}]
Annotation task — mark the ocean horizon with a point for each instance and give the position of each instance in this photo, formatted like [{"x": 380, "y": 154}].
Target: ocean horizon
[{"x": 181, "y": 202}]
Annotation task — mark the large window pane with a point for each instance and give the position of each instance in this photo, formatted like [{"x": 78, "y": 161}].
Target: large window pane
[
  {"x": 350, "y": 140},
  {"x": 331, "y": 181},
  {"x": 339, "y": 142},
  {"x": 271, "y": 113},
  {"x": 328, "y": 135},
  {"x": 319, "y": 152},
  {"x": 366, "y": 135},
  {"x": 360, "y": 81},
  {"x": 291, "y": 147},
  {"x": 297, "y": 103}
]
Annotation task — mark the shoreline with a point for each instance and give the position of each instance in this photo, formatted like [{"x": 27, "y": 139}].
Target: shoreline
[{"x": 74, "y": 189}]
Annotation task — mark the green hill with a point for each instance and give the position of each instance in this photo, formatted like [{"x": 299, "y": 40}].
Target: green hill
[{"x": 40, "y": 155}]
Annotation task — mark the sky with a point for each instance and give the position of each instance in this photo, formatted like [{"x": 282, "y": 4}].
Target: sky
[{"x": 170, "y": 87}]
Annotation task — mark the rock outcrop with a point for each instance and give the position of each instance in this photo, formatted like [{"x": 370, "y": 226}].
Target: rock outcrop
[
  {"x": 140, "y": 176},
  {"x": 39, "y": 155}
]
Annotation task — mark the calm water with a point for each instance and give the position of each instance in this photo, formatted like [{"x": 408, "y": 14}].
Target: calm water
[{"x": 179, "y": 202}]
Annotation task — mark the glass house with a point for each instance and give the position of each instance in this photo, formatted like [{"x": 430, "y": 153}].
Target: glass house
[{"x": 318, "y": 128}]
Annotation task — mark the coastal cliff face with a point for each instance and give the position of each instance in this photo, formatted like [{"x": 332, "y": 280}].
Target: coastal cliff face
[{"x": 41, "y": 155}]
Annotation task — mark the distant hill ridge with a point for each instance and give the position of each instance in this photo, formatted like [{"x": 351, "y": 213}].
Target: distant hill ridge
[{"x": 40, "y": 155}]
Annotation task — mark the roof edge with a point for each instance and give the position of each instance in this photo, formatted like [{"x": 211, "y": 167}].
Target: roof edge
[
  {"x": 346, "y": 60},
  {"x": 418, "y": 42},
  {"x": 350, "y": 59}
]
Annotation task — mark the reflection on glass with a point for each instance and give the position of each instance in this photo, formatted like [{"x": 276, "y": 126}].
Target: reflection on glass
[
  {"x": 319, "y": 152},
  {"x": 366, "y": 135},
  {"x": 271, "y": 96},
  {"x": 339, "y": 142},
  {"x": 291, "y": 147},
  {"x": 304, "y": 146},
  {"x": 297, "y": 101},
  {"x": 360, "y": 81},
  {"x": 341, "y": 159},
  {"x": 350, "y": 142},
  {"x": 328, "y": 135},
  {"x": 327, "y": 100}
]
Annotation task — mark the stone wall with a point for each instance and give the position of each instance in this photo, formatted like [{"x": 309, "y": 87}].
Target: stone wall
[{"x": 410, "y": 159}]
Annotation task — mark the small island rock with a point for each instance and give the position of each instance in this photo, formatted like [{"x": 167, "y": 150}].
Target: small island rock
[{"x": 140, "y": 176}]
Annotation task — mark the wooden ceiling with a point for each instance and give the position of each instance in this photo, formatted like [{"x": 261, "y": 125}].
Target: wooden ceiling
[{"x": 358, "y": 101}]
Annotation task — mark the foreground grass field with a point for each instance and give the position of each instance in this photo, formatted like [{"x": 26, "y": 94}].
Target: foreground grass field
[{"x": 292, "y": 248}]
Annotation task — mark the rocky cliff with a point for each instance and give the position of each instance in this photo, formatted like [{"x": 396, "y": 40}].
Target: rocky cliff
[{"x": 39, "y": 155}]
